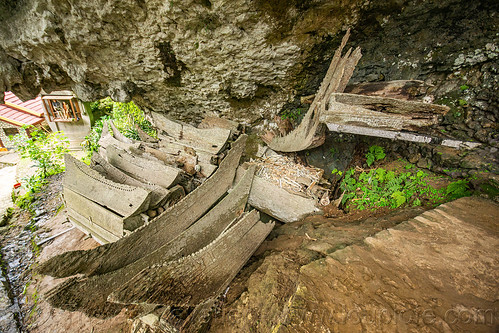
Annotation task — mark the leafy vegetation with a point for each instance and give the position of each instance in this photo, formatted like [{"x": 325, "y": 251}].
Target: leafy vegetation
[
  {"x": 124, "y": 115},
  {"x": 374, "y": 154},
  {"x": 46, "y": 150},
  {"x": 294, "y": 114},
  {"x": 379, "y": 187}
]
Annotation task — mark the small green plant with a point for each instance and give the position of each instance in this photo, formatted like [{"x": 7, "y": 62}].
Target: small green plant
[
  {"x": 383, "y": 188},
  {"x": 333, "y": 151},
  {"x": 458, "y": 189},
  {"x": 124, "y": 115},
  {"x": 375, "y": 153},
  {"x": 462, "y": 102},
  {"x": 292, "y": 114},
  {"x": 464, "y": 87},
  {"x": 46, "y": 150}
]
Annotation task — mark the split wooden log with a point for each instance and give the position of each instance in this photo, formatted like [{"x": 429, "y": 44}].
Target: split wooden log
[
  {"x": 152, "y": 236},
  {"x": 344, "y": 114},
  {"x": 90, "y": 294},
  {"x": 159, "y": 195},
  {"x": 188, "y": 162},
  {"x": 158, "y": 173},
  {"x": 400, "y": 89},
  {"x": 391, "y": 105},
  {"x": 205, "y": 274},
  {"x": 279, "y": 203},
  {"x": 125, "y": 200},
  {"x": 211, "y": 140},
  {"x": 311, "y": 133}
]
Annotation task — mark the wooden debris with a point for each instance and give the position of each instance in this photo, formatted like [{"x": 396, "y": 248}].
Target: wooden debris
[
  {"x": 310, "y": 132},
  {"x": 144, "y": 136},
  {"x": 211, "y": 140},
  {"x": 152, "y": 236},
  {"x": 391, "y": 105},
  {"x": 217, "y": 122},
  {"x": 156, "y": 171},
  {"x": 400, "y": 89},
  {"x": 344, "y": 114},
  {"x": 295, "y": 178},
  {"x": 394, "y": 135}
]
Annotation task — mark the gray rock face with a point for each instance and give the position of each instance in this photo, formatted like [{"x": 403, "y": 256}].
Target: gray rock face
[{"x": 241, "y": 59}]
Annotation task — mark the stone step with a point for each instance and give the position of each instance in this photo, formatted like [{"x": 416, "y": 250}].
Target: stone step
[{"x": 436, "y": 272}]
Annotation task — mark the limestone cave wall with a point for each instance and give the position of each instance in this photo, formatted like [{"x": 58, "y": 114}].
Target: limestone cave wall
[{"x": 249, "y": 59}]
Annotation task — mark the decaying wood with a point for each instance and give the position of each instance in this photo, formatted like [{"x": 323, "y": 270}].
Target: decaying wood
[
  {"x": 279, "y": 203},
  {"x": 211, "y": 140},
  {"x": 107, "y": 140},
  {"x": 159, "y": 194},
  {"x": 125, "y": 200},
  {"x": 391, "y": 105},
  {"x": 394, "y": 135},
  {"x": 311, "y": 133},
  {"x": 400, "y": 89},
  {"x": 217, "y": 122},
  {"x": 183, "y": 160},
  {"x": 90, "y": 294},
  {"x": 152, "y": 236},
  {"x": 344, "y": 114},
  {"x": 97, "y": 220},
  {"x": 144, "y": 136},
  {"x": 205, "y": 274},
  {"x": 156, "y": 171}
]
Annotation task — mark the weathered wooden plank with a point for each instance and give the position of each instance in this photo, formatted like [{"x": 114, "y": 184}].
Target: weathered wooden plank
[
  {"x": 98, "y": 215},
  {"x": 394, "y": 135},
  {"x": 344, "y": 114},
  {"x": 152, "y": 236},
  {"x": 400, "y": 89},
  {"x": 90, "y": 294},
  {"x": 101, "y": 235},
  {"x": 217, "y": 122},
  {"x": 156, "y": 171},
  {"x": 279, "y": 203},
  {"x": 390, "y": 105},
  {"x": 196, "y": 278},
  {"x": 159, "y": 194},
  {"x": 144, "y": 136},
  {"x": 123, "y": 199},
  {"x": 175, "y": 148},
  {"x": 107, "y": 140},
  {"x": 210, "y": 140},
  {"x": 310, "y": 132}
]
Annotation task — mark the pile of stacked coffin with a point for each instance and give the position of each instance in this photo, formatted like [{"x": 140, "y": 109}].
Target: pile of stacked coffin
[
  {"x": 129, "y": 182},
  {"x": 181, "y": 261}
]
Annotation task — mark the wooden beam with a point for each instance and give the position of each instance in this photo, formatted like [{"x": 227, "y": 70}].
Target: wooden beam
[
  {"x": 394, "y": 135},
  {"x": 391, "y": 105}
]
